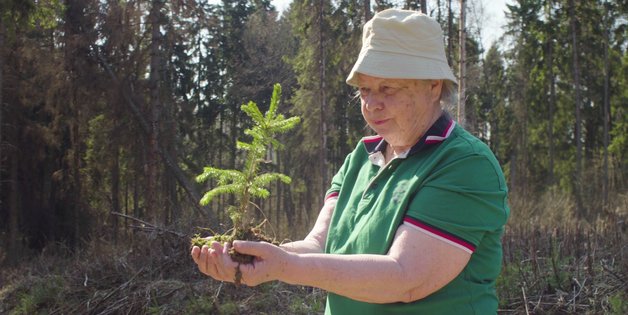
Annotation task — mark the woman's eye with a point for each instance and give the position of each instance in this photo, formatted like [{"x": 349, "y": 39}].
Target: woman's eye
[
  {"x": 388, "y": 89},
  {"x": 364, "y": 91}
]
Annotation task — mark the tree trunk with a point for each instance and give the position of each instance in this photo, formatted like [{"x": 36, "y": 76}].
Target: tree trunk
[
  {"x": 462, "y": 69},
  {"x": 2, "y": 31},
  {"x": 552, "y": 100},
  {"x": 14, "y": 211},
  {"x": 450, "y": 33},
  {"x": 607, "y": 75},
  {"x": 233, "y": 147},
  {"x": 424, "y": 6},
  {"x": 439, "y": 14},
  {"x": 578, "y": 101},
  {"x": 76, "y": 170},
  {"x": 367, "y": 10},
  {"x": 323, "y": 96},
  {"x": 278, "y": 192},
  {"x": 552, "y": 107},
  {"x": 115, "y": 187},
  {"x": 288, "y": 204},
  {"x": 155, "y": 110},
  {"x": 219, "y": 155},
  {"x": 126, "y": 207},
  {"x": 136, "y": 207}
]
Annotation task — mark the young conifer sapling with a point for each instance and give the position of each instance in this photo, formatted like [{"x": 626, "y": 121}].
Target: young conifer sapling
[{"x": 249, "y": 182}]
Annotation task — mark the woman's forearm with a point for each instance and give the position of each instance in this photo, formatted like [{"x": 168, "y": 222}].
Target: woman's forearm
[
  {"x": 314, "y": 242},
  {"x": 303, "y": 247},
  {"x": 368, "y": 278},
  {"x": 416, "y": 266}
]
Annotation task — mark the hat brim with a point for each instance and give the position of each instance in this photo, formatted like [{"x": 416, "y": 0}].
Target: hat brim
[{"x": 391, "y": 65}]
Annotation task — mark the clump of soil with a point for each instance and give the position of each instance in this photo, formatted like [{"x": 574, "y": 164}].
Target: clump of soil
[{"x": 251, "y": 233}]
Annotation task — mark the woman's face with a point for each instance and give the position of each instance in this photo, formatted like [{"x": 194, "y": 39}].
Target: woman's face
[{"x": 400, "y": 110}]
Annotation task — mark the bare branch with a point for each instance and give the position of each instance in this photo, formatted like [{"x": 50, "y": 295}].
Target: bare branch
[{"x": 150, "y": 225}]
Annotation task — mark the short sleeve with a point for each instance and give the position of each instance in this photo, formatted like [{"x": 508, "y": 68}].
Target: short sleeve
[
  {"x": 338, "y": 179},
  {"x": 460, "y": 202}
]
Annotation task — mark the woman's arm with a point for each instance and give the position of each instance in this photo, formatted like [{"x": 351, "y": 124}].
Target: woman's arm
[
  {"x": 212, "y": 259},
  {"x": 416, "y": 266},
  {"x": 314, "y": 242}
]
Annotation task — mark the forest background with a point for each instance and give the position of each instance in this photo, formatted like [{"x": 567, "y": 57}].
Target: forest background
[{"x": 109, "y": 108}]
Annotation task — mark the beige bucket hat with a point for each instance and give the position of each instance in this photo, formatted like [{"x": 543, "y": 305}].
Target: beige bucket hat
[{"x": 402, "y": 44}]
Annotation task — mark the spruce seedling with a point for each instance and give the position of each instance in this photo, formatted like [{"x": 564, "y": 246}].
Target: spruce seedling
[{"x": 248, "y": 183}]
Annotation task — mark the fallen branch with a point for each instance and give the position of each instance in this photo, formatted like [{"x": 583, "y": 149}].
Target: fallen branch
[
  {"x": 112, "y": 292},
  {"x": 525, "y": 299},
  {"x": 575, "y": 295},
  {"x": 612, "y": 273},
  {"x": 150, "y": 225}
]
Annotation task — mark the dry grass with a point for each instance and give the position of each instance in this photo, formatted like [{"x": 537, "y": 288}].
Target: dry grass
[
  {"x": 150, "y": 279},
  {"x": 554, "y": 263}
]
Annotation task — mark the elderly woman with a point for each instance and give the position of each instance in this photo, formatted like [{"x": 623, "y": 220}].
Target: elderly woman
[{"x": 413, "y": 219}]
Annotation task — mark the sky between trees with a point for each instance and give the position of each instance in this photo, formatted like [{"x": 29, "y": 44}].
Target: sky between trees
[{"x": 491, "y": 13}]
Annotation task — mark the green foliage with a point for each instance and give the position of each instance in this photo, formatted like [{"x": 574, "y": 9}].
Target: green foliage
[
  {"x": 47, "y": 13},
  {"x": 228, "y": 308},
  {"x": 40, "y": 296},
  {"x": 43, "y": 13},
  {"x": 200, "y": 305},
  {"x": 249, "y": 183},
  {"x": 329, "y": 36},
  {"x": 307, "y": 304},
  {"x": 17, "y": 11},
  {"x": 69, "y": 131},
  {"x": 619, "y": 131},
  {"x": 507, "y": 284},
  {"x": 537, "y": 139},
  {"x": 618, "y": 303}
]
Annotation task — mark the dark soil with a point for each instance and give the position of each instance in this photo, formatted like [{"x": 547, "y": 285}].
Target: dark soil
[{"x": 250, "y": 234}]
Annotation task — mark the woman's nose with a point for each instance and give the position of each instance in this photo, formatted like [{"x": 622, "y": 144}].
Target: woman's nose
[{"x": 373, "y": 101}]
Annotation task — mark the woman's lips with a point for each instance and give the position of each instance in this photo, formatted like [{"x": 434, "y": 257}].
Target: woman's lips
[{"x": 380, "y": 122}]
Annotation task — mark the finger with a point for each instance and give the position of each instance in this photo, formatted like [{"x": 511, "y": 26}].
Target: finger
[
  {"x": 258, "y": 249},
  {"x": 202, "y": 260},
  {"x": 216, "y": 247},
  {"x": 225, "y": 248},
  {"x": 209, "y": 265},
  {"x": 195, "y": 253},
  {"x": 225, "y": 267},
  {"x": 215, "y": 252},
  {"x": 212, "y": 263}
]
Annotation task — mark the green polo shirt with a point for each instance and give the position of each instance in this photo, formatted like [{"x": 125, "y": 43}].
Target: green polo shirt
[{"x": 449, "y": 186}]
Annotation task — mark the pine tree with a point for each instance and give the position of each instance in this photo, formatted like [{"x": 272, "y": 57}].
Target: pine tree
[
  {"x": 12, "y": 15},
  {"x": 248, "y": 183}
]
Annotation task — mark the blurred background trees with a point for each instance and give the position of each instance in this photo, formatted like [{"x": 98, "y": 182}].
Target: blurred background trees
[{"x": 114, "y": 106}]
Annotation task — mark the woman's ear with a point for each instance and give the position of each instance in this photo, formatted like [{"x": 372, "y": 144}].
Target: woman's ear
[{"x": 436, "y": 88}]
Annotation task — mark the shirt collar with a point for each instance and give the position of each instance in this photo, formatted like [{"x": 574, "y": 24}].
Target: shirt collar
[{"x": 438, "y": 132}]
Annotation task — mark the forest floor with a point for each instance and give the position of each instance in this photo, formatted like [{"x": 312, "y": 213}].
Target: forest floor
[
  {"x": 552, "y": 265},
  {"x": 156, "y": 279}
]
